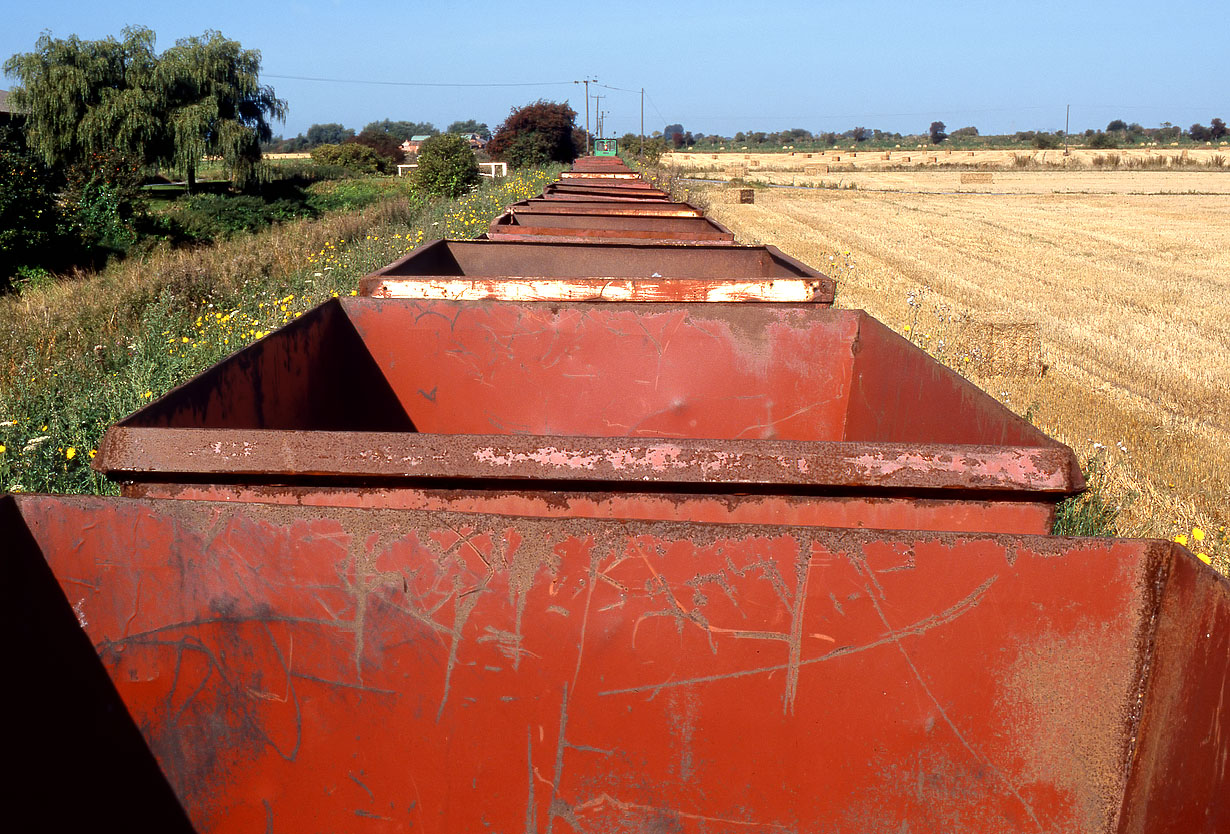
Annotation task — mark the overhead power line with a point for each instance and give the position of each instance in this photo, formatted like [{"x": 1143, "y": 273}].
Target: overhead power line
[{"x": 414, "y": 83}]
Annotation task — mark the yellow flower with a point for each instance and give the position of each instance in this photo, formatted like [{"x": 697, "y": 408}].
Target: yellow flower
[
  {"x": 147, "y": 395},
  {"x": 907, "y": 328},
  {"x": 1181, "y": 539},
  {"x": 93, "y": 452},
  {"x": 1204, "y": 557},
  {"x": 184, "y": 339},
  {"x": 70, "y": 453},
  {"x": 1197, "y": 534},
  {"x": 1, "y": 448}
]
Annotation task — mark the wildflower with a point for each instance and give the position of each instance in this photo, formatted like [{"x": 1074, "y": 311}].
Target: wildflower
[
  {"x": 1197, "y": 534},
  {"x": 1181, "y": 539},
  {"x": 184, "y": 339},
  {"x": 70, "y": 453},
  {"x": 1, "y": 448},
  {"x": 93, "y": 453},
  {"x": 1204, "y": 557},
  {"x": 147, "y": 395}
]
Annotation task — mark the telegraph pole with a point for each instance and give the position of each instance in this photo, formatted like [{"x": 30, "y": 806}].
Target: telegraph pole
[
  {"x": 1066, "y": 116},
  {"x": 642, "y": 121},
  {"x": 597, "y": 113},
  {"x": 587, "y": 133}
]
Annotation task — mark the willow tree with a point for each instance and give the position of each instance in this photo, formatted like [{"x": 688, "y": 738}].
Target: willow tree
[
  {"x": 215, "y": 104},
  {"x": 85, "y": 97},
  {"x": 202, "y": 97}
]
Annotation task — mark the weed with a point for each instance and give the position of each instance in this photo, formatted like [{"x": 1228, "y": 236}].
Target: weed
[{"x": 1091, "y": 513}]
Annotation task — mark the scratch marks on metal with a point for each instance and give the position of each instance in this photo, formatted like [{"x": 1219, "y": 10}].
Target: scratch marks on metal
[{"x": 921, "y": 626}]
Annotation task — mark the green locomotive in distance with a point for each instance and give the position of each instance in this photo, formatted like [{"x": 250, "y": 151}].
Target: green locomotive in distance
[{"x": 605, "y": 147}]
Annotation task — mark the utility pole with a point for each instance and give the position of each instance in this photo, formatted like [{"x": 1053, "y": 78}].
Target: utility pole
[
  {"x": 586, "y": 82},
  {"x": 598, "y": 113},
  {"x": 1066, "y": 116},
  {"x": 642, "y": 153}
]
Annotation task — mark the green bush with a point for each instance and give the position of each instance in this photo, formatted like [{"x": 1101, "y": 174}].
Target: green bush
[
  {"x": 528, "y": 150},
  {"x": 30, "y": 222},
  {"x": 206, "y": 217},
  {"x": 1103, "y": 141},
  {"x": 446, "y": 166},
  {"x": 353, "y": 156},
  {"x": 104, "y": 203}
]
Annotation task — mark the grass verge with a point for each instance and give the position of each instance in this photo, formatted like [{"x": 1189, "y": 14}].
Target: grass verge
[{"x": 80, "y": 354}]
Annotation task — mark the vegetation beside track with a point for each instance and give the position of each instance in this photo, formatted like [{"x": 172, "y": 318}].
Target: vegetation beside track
[{"x": 78, "y": 354}]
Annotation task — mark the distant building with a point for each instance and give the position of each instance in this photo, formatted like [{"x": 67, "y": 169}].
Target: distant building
[
  {"x": 7, "y": 114},
  {"x": 476, "y": 142},
  {"x": 413, "y": 144}
]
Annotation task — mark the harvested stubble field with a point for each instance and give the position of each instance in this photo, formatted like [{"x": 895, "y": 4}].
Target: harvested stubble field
[{"x": 1101, "y": 315}]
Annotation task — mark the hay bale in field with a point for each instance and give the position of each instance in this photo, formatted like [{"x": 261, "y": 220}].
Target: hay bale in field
[
  {"x": 747, "y": 156},
  {"x": 886, "y": 156},
  {"x": 755, "y": 163},
  {"x": 971, "y": 153},
  {"x": 976, "y": 177},
  {"x": 808, "y": 156},
  {"x": 836, "y": 158},
  {"x": 713, "y": 156},
  {"x": 736, "y": 170},
  {"x": 933, "y": 159},
  {"x": 747, "y": 195},
  {"x": 905, "y": 159},
  {"x": 811, "y": 170}
]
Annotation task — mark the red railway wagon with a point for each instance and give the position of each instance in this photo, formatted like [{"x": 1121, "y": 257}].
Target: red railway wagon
[
  {"x": 179, "y": 665},
  {"x": 617, "y": 271},
  {"x": 608, "y": 229},
  {"x": 712, "y": 412}
]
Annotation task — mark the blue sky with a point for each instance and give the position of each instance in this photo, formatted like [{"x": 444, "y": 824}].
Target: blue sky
[{"x": 715, "y": 67}]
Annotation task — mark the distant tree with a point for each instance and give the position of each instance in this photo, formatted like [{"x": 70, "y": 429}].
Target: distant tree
[
  {"x": 936, "y": 132},
  {"x": 401, "y": 131},
  {"x": 331, "y": 133},
  {"x": 470, "y": 126},
  {"x": 740, "y": 137},
  {"x": 859, "y": 134},
  {"x": 534, "y": 134},
  {"x": 828, "y": 139},
  {"x": 1045, "y": 141},
  {"x": 670, "y": 130},
  {"x": 1103, "y": 141},
  {"x": 758, "y": 137},
  {"x": 1116, "y": 124},
  {"x": 964, "y": 133},
  {"x": 1199, "y": 133},
  {"x": 382, "y": 142},
  {"x": 446, "y": 166},
  {"x": 1217, "y": 129}
]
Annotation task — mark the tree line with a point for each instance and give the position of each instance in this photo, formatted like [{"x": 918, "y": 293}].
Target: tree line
[{"x": 1116, "y": 134}]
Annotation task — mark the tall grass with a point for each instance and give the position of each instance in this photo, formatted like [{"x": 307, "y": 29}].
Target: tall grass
[{"x": 82, "y": 353}]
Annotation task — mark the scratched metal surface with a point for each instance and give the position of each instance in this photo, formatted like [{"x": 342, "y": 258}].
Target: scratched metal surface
[{"x": 329, "y": 669}]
